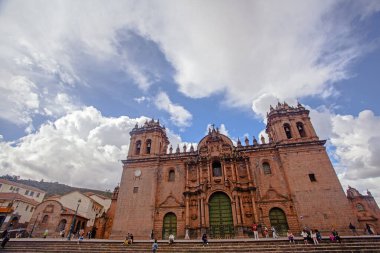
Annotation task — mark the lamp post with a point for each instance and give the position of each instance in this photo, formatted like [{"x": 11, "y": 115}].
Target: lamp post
[
  {"x": 73, "y": 222},
  {"x": 34, "y": 224}
]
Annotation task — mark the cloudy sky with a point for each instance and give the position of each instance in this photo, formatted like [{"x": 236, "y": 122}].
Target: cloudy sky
[{"x": 76, "y": 76}]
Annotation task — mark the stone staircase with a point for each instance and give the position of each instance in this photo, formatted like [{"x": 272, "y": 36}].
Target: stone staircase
[{"x": 349, "y": 244}]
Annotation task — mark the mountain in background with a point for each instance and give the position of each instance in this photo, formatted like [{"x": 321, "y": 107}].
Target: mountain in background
[{"x": 54, "y": 188}]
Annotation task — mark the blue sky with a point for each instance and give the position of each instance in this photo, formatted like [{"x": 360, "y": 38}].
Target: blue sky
[{"x": 76, "y": 77}]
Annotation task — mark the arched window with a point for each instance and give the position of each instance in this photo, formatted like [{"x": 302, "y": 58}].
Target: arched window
[
  {"x": 287, "y": 131},
  {"x": 301, "y": 129},
  {"x": 216, "y": 169},
  {"x": 138, "y": 147},
  {"x": 360, "y": 207},
  {"x": 171, "y": 175},
  {"x": 45, "y": 219},
  {"x": 148, "y": 146},
  {"x": 266, "y": 168}
]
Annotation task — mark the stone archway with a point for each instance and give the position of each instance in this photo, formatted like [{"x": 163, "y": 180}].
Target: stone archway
[
  {"x": 169, "y": 225},
  {"x": 278, "y": 220},
  {"x": 62, "y": 225},
  {"x": 220, "y": 216}
]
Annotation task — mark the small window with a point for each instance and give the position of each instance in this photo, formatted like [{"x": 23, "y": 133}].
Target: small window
[
  {"x": 26, "y": 209},
  {"x": 1, "y": 185},
  {"x": 148, "y": 146},
  {"x": 31, "y": 194},
  {"x": 11, "y": 188},
  {"x": 138, "y": 147},
  {"x": 31, "y": 209},
  {"x": 135, "y": 189},
  {"x": 266, "y": 168},
  {"x": 360, "y": 207},
  {"x": 312, "y": 177},
  {"x": 45, "y": 219},
  {"x": 27, "y": 192},
  {"x": 216, "y": 169},
  {"x": 171, "y": 175},
  {"x": 287, "y": 130},
  {"x": 38, "y": 195},
  {"x": 301, "y": 129}
]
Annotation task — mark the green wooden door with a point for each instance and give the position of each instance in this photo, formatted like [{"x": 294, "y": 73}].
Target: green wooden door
[
  {"x": 278, "y": 220},
  {"x": 169, "y": 226},
  {"x": 220, "y": 214}
]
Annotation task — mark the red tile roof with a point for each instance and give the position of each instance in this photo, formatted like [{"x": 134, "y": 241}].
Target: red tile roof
[{"x": 17, "y": 196}]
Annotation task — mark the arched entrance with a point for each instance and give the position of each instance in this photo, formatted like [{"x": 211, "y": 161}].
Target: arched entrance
[
  {"x": 278, "y": 220},
  {"x": 169, "y": 225},
  {"x": 220, "y": 214},
  {"x": 61, "y": 225}
]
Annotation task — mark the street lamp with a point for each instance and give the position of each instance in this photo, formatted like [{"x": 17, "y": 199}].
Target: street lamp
[
  {"x": 73, "y": 222},
  {"x": 34, "y": 224}
]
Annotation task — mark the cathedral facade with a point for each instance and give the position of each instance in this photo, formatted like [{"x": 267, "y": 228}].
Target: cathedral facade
[{"x": 222, "y": 189}]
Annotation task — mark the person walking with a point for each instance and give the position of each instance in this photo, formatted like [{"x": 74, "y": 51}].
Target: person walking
[
  {"x": 304, "y": 235},
  {"x": 369, "y": 230},
  {"x": 5, "y": 236},
  {"x": 171, "y": 239},
  {"x": 80, "y": 236},
  {"x": 353, "y": 229},
  {"x": 46, "y": 233},
  {"x": 290, "y": 236},
  {"x": 204, "y": 239},
  {"x": 155, "y": 246},
  {"x": 274, "y": 232},
  {"x": 314, "y": 236},
  {"x": 255, "y": 232},
  {"x": 319, "y": 236},
  {"x": 266, "y": 232},
  {"x": 336, "y": 236}
]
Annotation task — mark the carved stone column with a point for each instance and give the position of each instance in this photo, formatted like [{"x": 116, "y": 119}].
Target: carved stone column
[{"x": 187, "y": 211}]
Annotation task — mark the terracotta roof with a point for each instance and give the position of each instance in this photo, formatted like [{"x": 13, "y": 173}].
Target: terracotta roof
[
  {"x": 85, "y": 195},
  {"x": 55, "y": 197},
  {"x": 4, "y": 181},
  {"x": 17, "y": 196},
  {"x": 91, "y": 194},
  {"x": 69, "y": 211}
]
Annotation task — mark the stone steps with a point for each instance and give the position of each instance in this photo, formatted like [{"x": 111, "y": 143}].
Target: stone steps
[{"x": 368, "y": 244}]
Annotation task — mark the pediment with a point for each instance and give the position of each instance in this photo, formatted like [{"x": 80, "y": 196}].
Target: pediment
[
  {"x": 171, "y": 201},
  {"x": 272, "y": 194}
]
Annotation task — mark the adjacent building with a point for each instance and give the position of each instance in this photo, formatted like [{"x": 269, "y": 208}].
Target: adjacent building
[
  {"x": 366, "y": 210},
  {"x": 75, "y": 209},
  {"x": 222, "y": 188},
  {"x": 17, "y": 203}
]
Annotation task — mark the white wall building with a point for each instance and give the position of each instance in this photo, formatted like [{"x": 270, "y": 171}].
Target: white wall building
[
  {"x": 89, "y": 207},
  {"x": 17, "y": 203}
]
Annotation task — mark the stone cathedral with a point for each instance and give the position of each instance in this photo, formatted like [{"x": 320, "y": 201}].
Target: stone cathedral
[{"x": 222, "y": 189}]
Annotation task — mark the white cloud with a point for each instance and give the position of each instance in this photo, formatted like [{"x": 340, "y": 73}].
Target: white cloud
[
  {"x": 251, "y": 49},
  {"x": 355, "y": 144},
  {"x": 142, "y": 99},
  {"x": 247, "y": 50},
  {"x": 19, "y": 99},
  {"x": 82, "y": 148},
  {"x": 178, "y": 114}
]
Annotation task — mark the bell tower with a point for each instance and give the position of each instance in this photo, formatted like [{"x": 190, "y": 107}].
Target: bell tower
[
  {"x": 288, "y": 124},
  {"x": 148, "y": 140}
]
